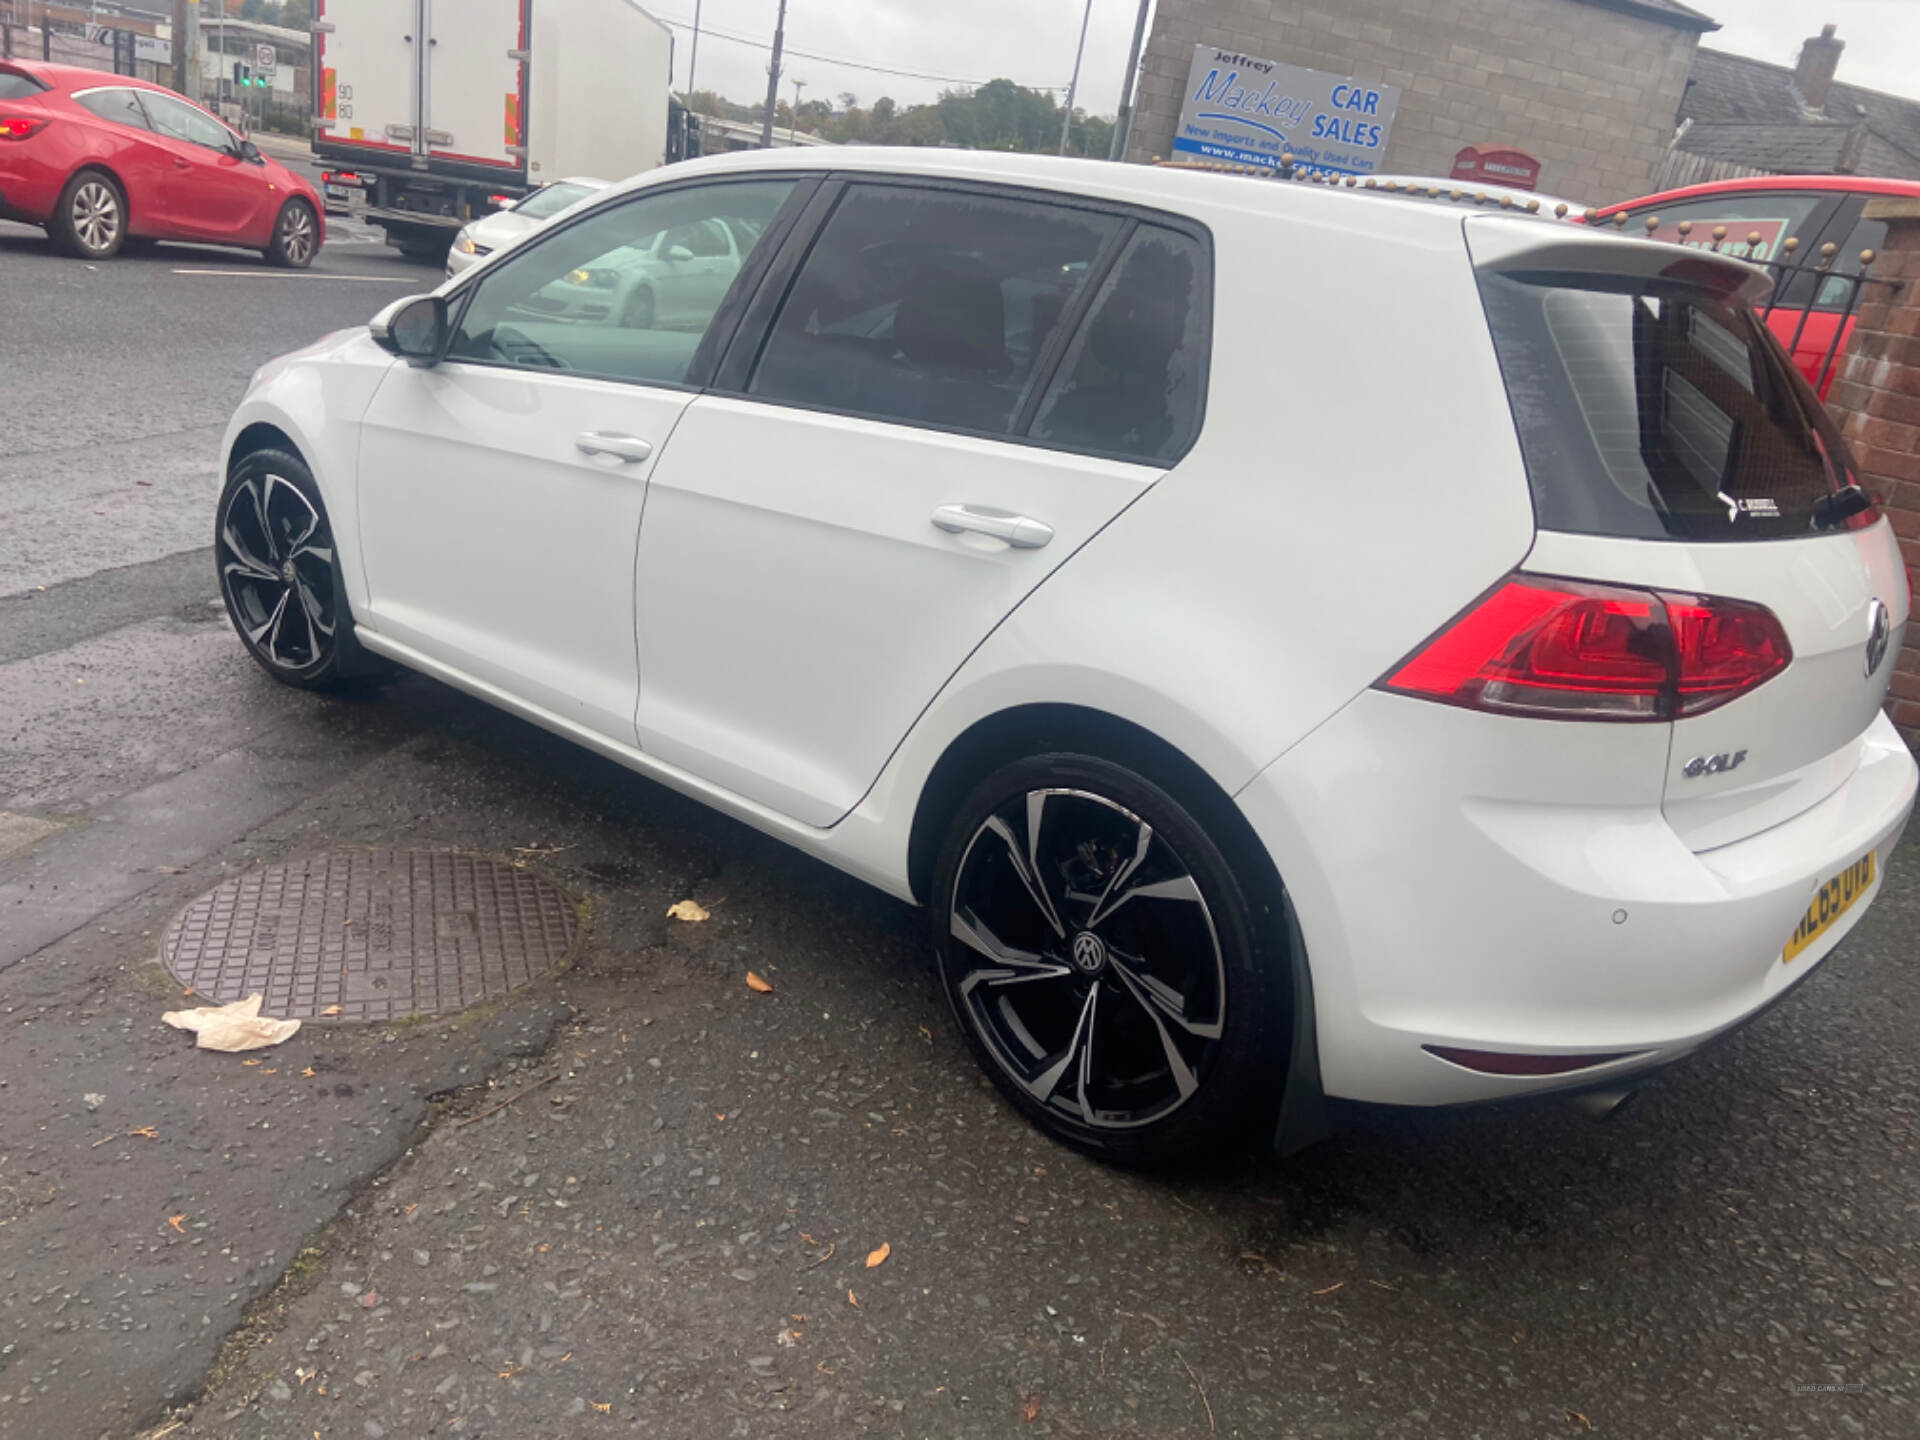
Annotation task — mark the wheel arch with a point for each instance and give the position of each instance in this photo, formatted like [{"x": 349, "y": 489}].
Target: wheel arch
[
  {"x": 1034, "y": 729},
  {"x": 135, "y": 220},
  {"x": 257, "y": 436}
]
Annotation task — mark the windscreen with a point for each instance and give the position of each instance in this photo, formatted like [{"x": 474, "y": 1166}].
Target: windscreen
[
  {"x": 544, "y": 204},
  {"x": 1656, "y": 410}
]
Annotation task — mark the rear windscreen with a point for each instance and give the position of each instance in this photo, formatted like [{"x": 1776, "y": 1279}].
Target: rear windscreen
[
  {"x": 16, "y": 86},
  {"x": 1651, "y": 410}
]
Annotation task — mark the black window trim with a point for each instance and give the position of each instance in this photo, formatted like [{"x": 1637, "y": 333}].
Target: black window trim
[
  {"x": 730, "y": 350},
  {"x": 743, "y": 355},
  {"x": 726, "y": 318}
]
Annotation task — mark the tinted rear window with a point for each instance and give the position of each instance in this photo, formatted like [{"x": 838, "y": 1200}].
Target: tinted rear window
[
  {"x": 1649, "y": 410},
  {"x": 16, "y": 86}
]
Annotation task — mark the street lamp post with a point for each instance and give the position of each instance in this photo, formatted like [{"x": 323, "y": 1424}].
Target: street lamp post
[
  {"x": 1066, "y": 122},
  {"x": 693, "y": 60},
  {"x": 794, "y": 120},
  {"x": 1123, "y": 122},
  {"x": 773, "y": 78}
]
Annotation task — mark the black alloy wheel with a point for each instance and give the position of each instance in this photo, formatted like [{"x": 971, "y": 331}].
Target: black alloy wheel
[
  {"x": 278, "y": 574},
  {"x": 1096, "y": 949}
]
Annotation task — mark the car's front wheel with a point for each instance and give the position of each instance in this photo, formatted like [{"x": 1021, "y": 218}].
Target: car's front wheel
[
  {"x": 279, "y": 577},
  {"x": 1107, "y": 965},
  {"x": 90, "y": 220},
  {"x": 296, "y": 237}
]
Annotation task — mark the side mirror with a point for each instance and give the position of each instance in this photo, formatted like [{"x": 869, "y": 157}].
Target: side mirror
[
  {"x": 415, "y": 329},
  {"x": 677, "y": 253},
  {"x": 250, "y": 152}
]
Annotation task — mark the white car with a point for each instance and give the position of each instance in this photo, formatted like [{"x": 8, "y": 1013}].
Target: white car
[
  {"x": 1439, "y": 187},
  {"x": 480, "y": 238},
  {"x": 1455, "y": 682}
]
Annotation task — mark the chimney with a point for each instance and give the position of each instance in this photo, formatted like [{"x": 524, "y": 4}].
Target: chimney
[{"x": 1819, "y": 58}]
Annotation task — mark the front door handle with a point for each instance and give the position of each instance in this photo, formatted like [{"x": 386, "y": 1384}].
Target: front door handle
[
  {"x": 180, "y": 164},
  {"x": 1018, "y": 531},
  {"x": 621, "y": 447}
]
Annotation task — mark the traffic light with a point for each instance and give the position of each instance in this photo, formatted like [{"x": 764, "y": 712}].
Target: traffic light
[{"x": 244, "y": 77}]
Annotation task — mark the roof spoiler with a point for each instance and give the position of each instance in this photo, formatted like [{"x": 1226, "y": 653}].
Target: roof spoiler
[{"x": 1498, "y": 242}]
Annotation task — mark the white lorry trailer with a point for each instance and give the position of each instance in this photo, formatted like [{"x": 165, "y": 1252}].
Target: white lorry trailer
[{"x": 441, "y": 111}]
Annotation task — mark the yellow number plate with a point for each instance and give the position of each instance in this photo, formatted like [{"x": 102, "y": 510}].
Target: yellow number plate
[{"x": 1835, "y": 898}]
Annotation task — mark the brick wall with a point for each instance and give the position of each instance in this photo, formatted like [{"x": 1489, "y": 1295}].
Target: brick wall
[
  {"x": 1878, "y": 400},
  {"x": 1591, "y": 91}
]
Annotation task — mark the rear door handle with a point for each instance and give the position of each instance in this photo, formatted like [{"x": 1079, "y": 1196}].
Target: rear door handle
[
  {"x": 607, "y": 442},
  {"x": 1019, "y": 531}
]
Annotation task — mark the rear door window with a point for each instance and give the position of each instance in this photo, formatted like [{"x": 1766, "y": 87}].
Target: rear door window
[
  {"x": 1134, "y": 381},
  {"x": 1656, "y": 410},
  {"x": 930, "y": 307},
  {"x": 120, "y": 106}
]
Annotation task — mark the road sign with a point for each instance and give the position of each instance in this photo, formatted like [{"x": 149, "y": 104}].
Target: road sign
[{"x": 263, "y": 59}]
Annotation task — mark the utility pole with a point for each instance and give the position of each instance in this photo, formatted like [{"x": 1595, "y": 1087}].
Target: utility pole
[
  {"x": 184, "y": 80},
  {"x": 1123, "y": 122},
  {"x": 1073, "y": 88},
  {"x": 773, "y": 78},
  {"x": 798, "y": 86},
  {"x": 693, "y": 60}
]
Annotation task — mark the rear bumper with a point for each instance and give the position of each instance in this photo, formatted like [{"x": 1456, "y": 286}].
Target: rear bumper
[{"x": 1433, "y": 914}]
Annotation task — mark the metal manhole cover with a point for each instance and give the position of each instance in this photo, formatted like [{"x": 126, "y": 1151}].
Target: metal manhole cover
[{"x": 379, "y": 933}]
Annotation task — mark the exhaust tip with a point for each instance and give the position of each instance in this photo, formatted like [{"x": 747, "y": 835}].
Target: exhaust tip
[{"x": 1598, "y": 1105}]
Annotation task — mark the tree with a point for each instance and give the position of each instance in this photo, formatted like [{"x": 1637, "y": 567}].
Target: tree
[{"x": 999, "y": 115}]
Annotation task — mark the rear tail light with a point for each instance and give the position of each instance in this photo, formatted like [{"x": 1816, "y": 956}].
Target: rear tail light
[
  {"x": 1568, "y": 650},
  {"x": 20, "y": 127}
]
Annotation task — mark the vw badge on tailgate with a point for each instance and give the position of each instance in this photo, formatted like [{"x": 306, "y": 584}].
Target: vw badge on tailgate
[{"x": 1879, "y": 632}]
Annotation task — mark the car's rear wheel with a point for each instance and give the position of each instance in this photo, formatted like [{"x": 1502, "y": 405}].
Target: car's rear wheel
[
  {"x": 1100, "y": 955},
  {"x": 90, "y": 220},
  {"x": 280, "y": 578},
  {"x": 296, "y": 236}
]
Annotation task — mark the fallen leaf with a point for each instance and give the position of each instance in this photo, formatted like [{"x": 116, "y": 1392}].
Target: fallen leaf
[
  {"x": 606, "y": 1409},
  {"x": 719, "y": 1114},
  {"x": 879, "y": 1257},
  {"x": 1574, "y": 1417},
  {"x": 370, "y": 1299},
  {"x": 145, "y": 1132},
  {"x": 178, "y": 1222},
  {"x": 853, "y": 1300},
  {"x": 308, "y": 1072},
  {"x": 1030, "y": 1409},
  {"x": 808, "y": 1238},
  {"x": 331, "y": 1010},
  {"x": 1021, "y": 1220},
  {"x": 249, "y": 1062},
  {"x": 270, "y": 1071},
  {"x": 691, "y": 911},
  {"x": 757, "y": 985},
  {"x": 928, "y": 1033},
  {"x": 1254, "y": 1257},
  {"x": 239, "y": 1026},
  {"x": 1331, "y": 1288}
]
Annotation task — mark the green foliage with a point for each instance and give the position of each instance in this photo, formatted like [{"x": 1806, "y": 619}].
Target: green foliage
[{"x": 999, "y": 115}]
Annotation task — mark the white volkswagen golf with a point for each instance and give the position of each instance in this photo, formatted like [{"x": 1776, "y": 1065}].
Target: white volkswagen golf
[{"x": 1295, "y": 642}]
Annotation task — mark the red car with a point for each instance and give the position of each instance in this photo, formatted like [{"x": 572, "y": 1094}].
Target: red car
[
  {"x": 1815, "y": 294},
  {"x": 98, "y": 158}
]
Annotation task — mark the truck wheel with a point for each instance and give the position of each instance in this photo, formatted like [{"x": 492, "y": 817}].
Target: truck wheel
[
  {"x": 431, "y": 252},
  {"x": 295, "y": 237}
]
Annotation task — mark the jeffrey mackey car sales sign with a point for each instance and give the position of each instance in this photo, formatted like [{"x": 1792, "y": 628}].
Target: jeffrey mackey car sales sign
[{"x": 1242, "y": 110}]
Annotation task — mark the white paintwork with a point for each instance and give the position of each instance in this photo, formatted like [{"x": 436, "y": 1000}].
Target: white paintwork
[
  {"x": 601, "y": 75},
  {"x": 795, "y": 635},
  {"x": 597, "y": 81}
]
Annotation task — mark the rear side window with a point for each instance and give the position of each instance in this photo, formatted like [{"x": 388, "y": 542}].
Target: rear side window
[
  {"x": 1133, "y": 382},
  {"x": 1651, "y": 410},
  {"x": 929, "y": 307},
  {"x": 180, "y": 121},
  {"x": 16, "y": 86},
  {"x": 122, "y": 107}
]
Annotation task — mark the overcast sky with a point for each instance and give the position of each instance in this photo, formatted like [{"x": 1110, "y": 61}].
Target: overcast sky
[{"x": 1032, "y": 41}]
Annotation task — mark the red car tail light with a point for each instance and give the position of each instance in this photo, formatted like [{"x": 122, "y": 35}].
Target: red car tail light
[
  {"x": 1569, "y": 650},
  {"x": 20, "y": 127}
]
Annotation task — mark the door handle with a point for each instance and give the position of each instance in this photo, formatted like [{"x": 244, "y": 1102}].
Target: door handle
[
  {"x": 606, "y": 442},
  {"x": 180, "y": 164},
  {"x": 1018, "y": 531}
]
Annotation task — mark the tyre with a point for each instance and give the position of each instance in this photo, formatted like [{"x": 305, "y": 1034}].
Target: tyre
[
  {"x": 431, "y": 251},
  {"x": 280, "y": 578},
  {"x": 296, "y": 237},
  {"x": 1102, "y": 960},
  {"x": 90, "y": 220},
  {"x": 637, "y": 313}
]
